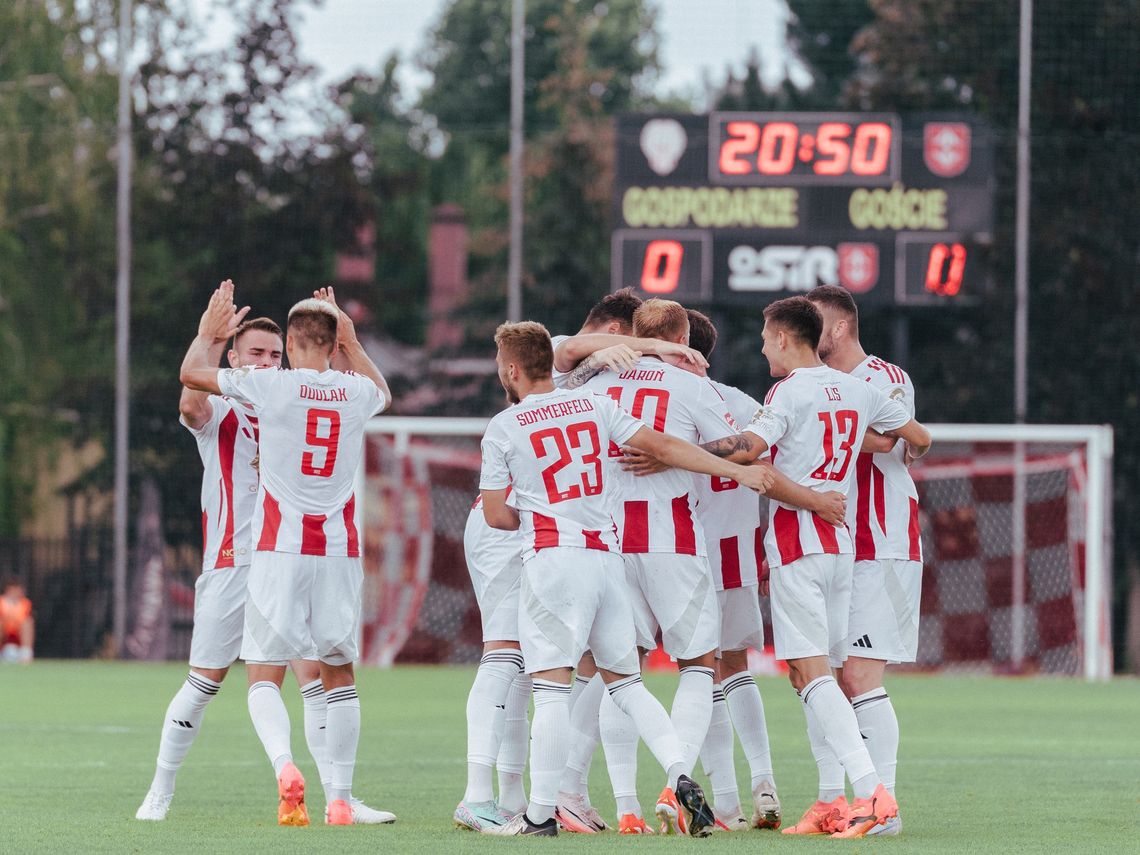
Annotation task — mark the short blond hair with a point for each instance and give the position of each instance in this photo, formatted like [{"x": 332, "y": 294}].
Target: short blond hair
[
  {"x": 528, "y": 344},
  {"x": 313, "y": 322},
  {"x": 663, "y": 319}
]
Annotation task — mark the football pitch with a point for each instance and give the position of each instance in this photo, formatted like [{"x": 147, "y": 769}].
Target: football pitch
[{"x": 986, "y": 765}]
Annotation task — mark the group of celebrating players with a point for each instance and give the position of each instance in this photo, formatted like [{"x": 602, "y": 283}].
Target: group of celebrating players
[
  {"x": 611, "y": 511},
  {"x": 614, "y": 506}
]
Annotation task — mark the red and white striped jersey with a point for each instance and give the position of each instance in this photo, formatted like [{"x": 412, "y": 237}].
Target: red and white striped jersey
[
  {"x": 551, "y": 450},
  {"x": 729, "y": 513},
  {"x": 227, "y": 444},
  {"x": 312, "y": 443},
  {"x": 655, "y": 513},
  {"x": 882, "y": 507},
  {"x": 814, "y": 421}
]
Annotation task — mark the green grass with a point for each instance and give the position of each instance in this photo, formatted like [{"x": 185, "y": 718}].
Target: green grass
[{"x": 986, "y": 765}]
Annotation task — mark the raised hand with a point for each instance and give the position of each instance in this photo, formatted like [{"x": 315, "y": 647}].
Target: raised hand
[
  {"x": 345, "y": 328},
  {"x": 221, "y": 319}
]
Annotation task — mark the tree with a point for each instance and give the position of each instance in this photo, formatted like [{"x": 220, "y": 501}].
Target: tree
[{"x": 1084, "y": 273}]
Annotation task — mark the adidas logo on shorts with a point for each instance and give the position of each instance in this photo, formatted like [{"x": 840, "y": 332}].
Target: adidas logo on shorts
[{"x": 862, "y": 642}]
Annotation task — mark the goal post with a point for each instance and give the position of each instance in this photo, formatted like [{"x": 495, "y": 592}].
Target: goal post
[{"x": 1016, "y": 527}]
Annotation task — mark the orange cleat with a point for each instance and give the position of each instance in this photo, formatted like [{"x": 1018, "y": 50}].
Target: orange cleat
[
  {"x": 291, "y": 789},
  {"x": 670, "y": 813},
  {"x": 339, "y": 812},
  {"x": 633, "y": 824},
  {"x": 865, "y": 814},
  {"x": 820, "y": 818}
]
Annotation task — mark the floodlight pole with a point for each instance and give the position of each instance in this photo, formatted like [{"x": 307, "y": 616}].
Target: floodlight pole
[
  {"x": 514, "y": 259},
  {"x": 122, "y": 332},
  {"x": 1021, "y": 329}
]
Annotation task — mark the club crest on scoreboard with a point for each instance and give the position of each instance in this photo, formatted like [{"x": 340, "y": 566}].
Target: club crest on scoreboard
[
  {"x": 946, "y": 148},
  {"x": 858, "y": 266}
]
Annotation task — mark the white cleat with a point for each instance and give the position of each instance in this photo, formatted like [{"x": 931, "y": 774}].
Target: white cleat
[
  {"x": 362, "y": 814},
  {"x": 154, "y": 806},
  {"x": 767, "y": 804},
  {"x": 734, "y": 821},
  {"x": 576, "y": 814},
  {"x": 891, "y": 828}
]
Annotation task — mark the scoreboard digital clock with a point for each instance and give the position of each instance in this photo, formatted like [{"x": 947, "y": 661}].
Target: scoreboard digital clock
[{"x": 745, "y": 208}]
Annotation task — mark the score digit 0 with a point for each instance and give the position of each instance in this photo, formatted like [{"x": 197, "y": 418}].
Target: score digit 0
[{"x": 662, "y": 268}]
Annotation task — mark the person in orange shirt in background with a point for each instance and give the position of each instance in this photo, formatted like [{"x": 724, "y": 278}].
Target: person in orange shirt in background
[{"x": 17, "y": 625}]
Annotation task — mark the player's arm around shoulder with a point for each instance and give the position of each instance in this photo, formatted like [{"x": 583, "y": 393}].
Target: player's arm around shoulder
[{"x": 684, "y": 455}]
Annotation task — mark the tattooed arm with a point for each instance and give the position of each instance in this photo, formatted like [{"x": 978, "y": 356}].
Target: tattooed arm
[{"x": 738, "y": 448}]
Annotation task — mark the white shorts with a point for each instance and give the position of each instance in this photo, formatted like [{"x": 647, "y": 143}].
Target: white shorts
[
  {"x": 676, "y": 594},
  {"x": 811, "y": 599},
  {"x": 219, "y": 613},
  {"x": 885, "y": 599},
  {"x": 302, "y": 607},
  {"x": 494, "y": 560},
  {"x": 741, "y": 625},
  {"x": 572, "y": 600}
]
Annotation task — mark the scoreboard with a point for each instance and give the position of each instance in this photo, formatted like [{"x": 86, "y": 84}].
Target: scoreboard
[{"x": 745, "y": 208}]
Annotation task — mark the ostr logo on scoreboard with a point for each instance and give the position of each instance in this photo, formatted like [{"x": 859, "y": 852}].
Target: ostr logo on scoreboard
[
  {"x": 796, "y": 269},
  {"x": 742, "y": 208}
]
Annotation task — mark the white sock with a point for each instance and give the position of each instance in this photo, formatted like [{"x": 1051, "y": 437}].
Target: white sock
[
  {"x": 717, "y": 757},
  {"x": 880, "y": 728},
  {"x": 342, "y": 735},
  {"x": 692, "y": 710},
  {"x": 271, "y": 721},
  {"x": 619, "y": 740},
  {"x": 550, "y": 738},
  {"x": 486, "y": 713},
  {"x": 511, "y": 762},
  {"x": 180, "y": 728},
  {"x": 830, "y": 770},
  {"x": 837, "y": 720},
  {"x": 576, "y": 688},
  {"x": 653, "y": 724},
  {"x": 316, "y": 717},
  {"x": 747, "y": 710},
  {"x": 583, "y": 736}
]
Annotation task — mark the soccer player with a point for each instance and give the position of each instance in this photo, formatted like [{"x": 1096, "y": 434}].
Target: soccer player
[
  {"x": 17, "y": 625},
  {"x": 886, "y": 587},
  {"x": 549, "y": 450},
  {"x": 305, "y": 577},
  {"x": 605, "y": 341},
  {"x": 497, "y": 726},
  {"x": 226, "y": 433},
  {"x": 814, "y": 420},
  {"x": 735, "y": 550}
]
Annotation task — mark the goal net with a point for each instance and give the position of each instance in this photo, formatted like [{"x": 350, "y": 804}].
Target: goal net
[{"x": 1015, "y": 527}]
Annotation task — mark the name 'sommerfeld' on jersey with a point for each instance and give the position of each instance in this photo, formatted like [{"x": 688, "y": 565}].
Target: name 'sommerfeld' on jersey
[
  {"x": 312, "y": 439},
  {"x": 550, "y": 450},
  {"x": 814, "y": 420}
]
